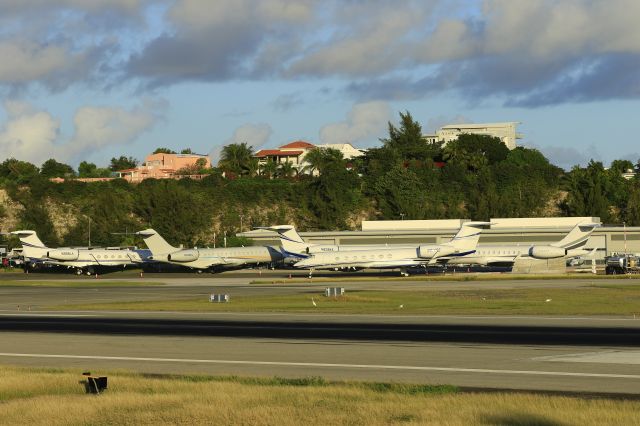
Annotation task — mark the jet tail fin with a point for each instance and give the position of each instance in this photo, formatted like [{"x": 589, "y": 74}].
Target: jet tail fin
[
  {"x": 155, "y": 242},
  {"x": 578, "y": 236},
  {"x": 291, "y": 241},
  {"x": 32, "y": 247},
  {"x": 29, "y": 238},
  {"x": 467, "y": 237}
]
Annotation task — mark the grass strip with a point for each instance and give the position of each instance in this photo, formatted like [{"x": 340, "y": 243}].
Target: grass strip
[
  {"x": 54, "y": 396},
  {"x": 76, "y": 283},
  {"x": 617, "y": 300}
]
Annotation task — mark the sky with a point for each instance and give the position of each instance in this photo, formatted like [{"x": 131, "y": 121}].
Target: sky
[{"x": 93, "y": 79}]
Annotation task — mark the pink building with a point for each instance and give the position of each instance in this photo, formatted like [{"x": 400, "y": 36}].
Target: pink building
[{"x": 162, "y": 166}]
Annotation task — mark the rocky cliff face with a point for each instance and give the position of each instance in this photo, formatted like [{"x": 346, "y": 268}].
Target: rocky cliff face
[{"x": 9, "y": 212}]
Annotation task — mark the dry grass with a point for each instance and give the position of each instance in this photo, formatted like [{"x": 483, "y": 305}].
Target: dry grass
[{"x": 54, "y": 397}]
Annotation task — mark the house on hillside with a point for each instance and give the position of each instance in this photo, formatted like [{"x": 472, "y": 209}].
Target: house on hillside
[
  {"x": 164, "y": 166},
  {"x": 295, "y": 152}
]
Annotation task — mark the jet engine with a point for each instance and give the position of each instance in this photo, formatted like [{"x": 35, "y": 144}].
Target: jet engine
[
  {"x": 63, "y": 254},
  {"x": 184, "y": 256},
  {"x": 547, "y": 252}
]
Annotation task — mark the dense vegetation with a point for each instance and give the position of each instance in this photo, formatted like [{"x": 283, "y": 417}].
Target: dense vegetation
[{"x": 473, "y": 177}]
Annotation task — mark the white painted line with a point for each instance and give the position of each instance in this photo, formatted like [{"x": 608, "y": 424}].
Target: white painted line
[
  {"x": 631, "y": 357},
  {"x": 327, "y": 365},
  {"x": 334, "y": 315}
]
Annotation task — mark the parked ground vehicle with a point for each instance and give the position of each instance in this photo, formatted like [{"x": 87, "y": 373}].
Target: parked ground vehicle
[{"x": 622, "y": 264}]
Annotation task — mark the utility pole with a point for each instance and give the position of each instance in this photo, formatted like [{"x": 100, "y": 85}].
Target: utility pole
[
  {"x": 241, "y": 217},
  {"x": 89, "y": 231},
  {"x": 401, "y": 216},
  {"x": 225, "y": 239}
]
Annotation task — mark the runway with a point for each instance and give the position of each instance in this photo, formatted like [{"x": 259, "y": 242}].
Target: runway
[{"x": 566, "y": 354}]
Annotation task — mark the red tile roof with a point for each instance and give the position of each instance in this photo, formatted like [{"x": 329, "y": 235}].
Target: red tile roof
[
  {"x": 298, "y": 144},
  {"x": 270, "y": 152}
]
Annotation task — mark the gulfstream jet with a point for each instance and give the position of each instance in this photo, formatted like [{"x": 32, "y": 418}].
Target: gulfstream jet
[
  {"x": 506, "y": 255},
  {"x": 295, "y": 247},
  {"x": 82, "y": 260},
  {"x": 343, "y": 257},
  {"x": 209, "y": 259}
]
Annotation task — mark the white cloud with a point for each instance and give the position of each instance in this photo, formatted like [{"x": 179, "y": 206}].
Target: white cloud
[
  {"x": 364, "y": 122},
  {"x": 528, "y": 52},
  {"x": 254, "y": 135},
  {"x": 25, "y": 61},
  {"x": 34, "y": 136},
  {"x": 97, "y": 127},
  {"x": 28, "y": 135}
]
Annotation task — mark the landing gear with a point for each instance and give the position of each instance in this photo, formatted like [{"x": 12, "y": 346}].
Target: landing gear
[
  {"x": 310, "y": 273},
  {"x": 79, "y": 272}
]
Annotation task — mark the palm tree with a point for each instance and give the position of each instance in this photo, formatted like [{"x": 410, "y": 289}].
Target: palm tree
[
  {"x": 269, "y": 169},
  {"x": 253, "y": 167},
  {"x": 313, "y": 160},
  {"x": 319, "y": 158},
  {"x": 236, "y": 158},
  {"x": 287, "y": 170}
]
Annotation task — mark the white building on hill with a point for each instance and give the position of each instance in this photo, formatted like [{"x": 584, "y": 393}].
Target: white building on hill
[{"x": 506, "y": 132}]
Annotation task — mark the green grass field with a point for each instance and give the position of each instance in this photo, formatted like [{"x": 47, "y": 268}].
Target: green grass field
[
  {"x": 586, "y": 300},
  {"x": 55, "y": 397}
]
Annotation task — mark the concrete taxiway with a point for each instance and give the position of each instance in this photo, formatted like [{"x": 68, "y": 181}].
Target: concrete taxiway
[{"x": 578, "y": 354}]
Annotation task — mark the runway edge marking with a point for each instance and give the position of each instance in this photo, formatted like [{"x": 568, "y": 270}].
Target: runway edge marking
[{"x": 326, "y": 365}]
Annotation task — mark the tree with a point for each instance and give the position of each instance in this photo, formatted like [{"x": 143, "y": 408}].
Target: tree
[
  {"x": 475, "y": 151},
  {"x": 400, "y": 193},
  {"x": 253, "y": 167},
  {"x": 17, "y": 171},
  {"x": 123, "y": 163},
  {"x": 165, "y": 151},
  {"x": 198, "y": 168},
  {"x": 331, "y": 197},
  {"x": 51, "y": 168},
  {"x": 185, "y": 151},
  {"x": 587, "y": 192},
  {"x": 287, "y": 170},
  {"x": 269, "y": 168},
  {"x": 621, "y": 166},
  {"x": 408, "y": 141},
  {"x": 236, "y": 158},
  {"x": 313, "y": 160},
  {"x": 164, "y": 203},
  {"x": 318, "y": 159},
  {"x": 90, "y": 170}
]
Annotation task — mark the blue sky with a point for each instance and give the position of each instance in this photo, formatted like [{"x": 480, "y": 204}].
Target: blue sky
[{"x": 89, "y": 80}]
